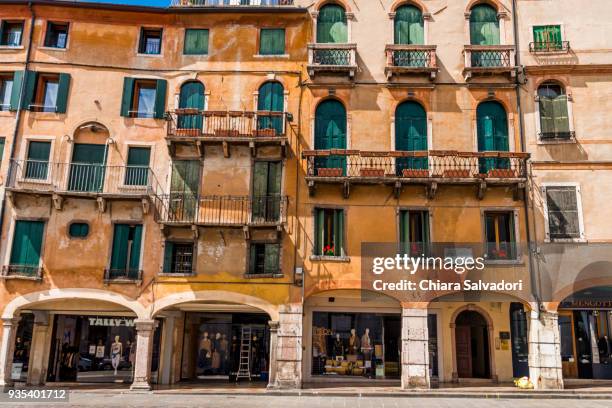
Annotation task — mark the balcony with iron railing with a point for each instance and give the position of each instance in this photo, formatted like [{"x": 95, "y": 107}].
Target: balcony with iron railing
[
  {"x": 185, "y": 209},
  {"x": 123, "y": 275},
  {"x": 198, "y": 128},
  {"x": 398, "y": 168},
  {"x": 548, "y": 47},
  {"x": 332, "y": 59},
  {"x": 15, "y": 271},
  {"x": 489, "y": 60},
  {"x": 411, "y": 59}
]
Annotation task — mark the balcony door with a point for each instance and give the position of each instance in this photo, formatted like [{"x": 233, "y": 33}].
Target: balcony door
[
  {"x": 87, "y": 167},
  {"x": 271, "y": 98},
  {"x": 184, "y": 190},
  {"x": 484, "y": 30},
  {"x": 191, "y": 97},
  {"x": 409, "y": 29},
  {"x": 330, "y": 133},
  {"x": 331, "y": 25},
  {"x": 410, "y": 135},
  {"x": 266, "y": 191},
  {"x": 492, "y": 130}
]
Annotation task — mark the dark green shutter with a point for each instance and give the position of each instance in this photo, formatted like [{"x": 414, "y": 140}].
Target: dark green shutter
[
  {"x": 331, "y": 25},
  {"x": 87, "y": 169},
  {"x": 30, "y": 89},
  {"x": 135, "y": 250},
  {"x": 330, "y": 133},
  {"x": 272, "y": 41},
  {"x": 27, "y": 243},
  {"x": 319, "y": 231},
  {"x": 253, "y": 259},
  {"x": 271, "y": 258},
  {"x": 404, "y": 234},
  {"x": 561, "y": 117},
  {"x": 120, "y": 248},
  {"x": 547, "y": 114},
  {"x": 62, "y": 93},
  {"x": 191, "y": 97},
  {"x": 160, "y": 98},
  {"x": 37, "y": 165},
  {"x": 184, "y": 185},
  {"x": 338, "y": 233},
  {"x": 409, "y": 26},
  {"x": 492, "y": 132},
  {"x": 137, "y": 171},
  {"x": 128, "y": 96},
  {"x": 410, "y": 135},
  {"x": 168, "y": 256},
  {"x": 271, "y": 98},
  {"x": 2, "y": 141},
  {"x": 16, "y": 91},
  {"x": 484, "y": 25},
  {"x": 196, "y": 42}
]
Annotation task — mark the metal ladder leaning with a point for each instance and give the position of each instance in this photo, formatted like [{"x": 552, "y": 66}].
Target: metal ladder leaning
[{"x": 244, "y": 366}]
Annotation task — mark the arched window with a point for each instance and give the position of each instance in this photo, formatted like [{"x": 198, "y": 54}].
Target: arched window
[
  {"x": 191, "y": 99},
  {"x": 408, "y": 25},
  {"x": 492, "y": 131},
  {"x": 270, "y": 102},
  {"x": 330, "y": 133},
  {"x": 331, "y": 25},
  {"x": 484, "y": 25},
  {"x": 554, "y": 118},
  {"x": 410, "y": 135}
]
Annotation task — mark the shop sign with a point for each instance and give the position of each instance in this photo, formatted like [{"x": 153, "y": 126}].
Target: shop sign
[
  {"x": 587, "y": 304},
  {"x": 111, "y": 321}
]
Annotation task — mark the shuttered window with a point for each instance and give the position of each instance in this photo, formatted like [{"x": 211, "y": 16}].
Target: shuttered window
[
  {"x": 196, "y": 42},
  {"x": 46, "y": 92},
  {"x": 137, "y": 170},
  {"x": 6, "y": 91},
  {"x": 414, "y": 232},
  {"x": 272, "y": 41},
  {"x": 563, "y": 215},
  {"x": 547, "y": 38},
  {"x": 554, "y": 117},
  {"x": 484, "y": 25},
  {"x": 144, "y": 98},
  {"x": 409, "y": 25},
  {"x": 331, "y": 25},
  {"x": 329, "y": 232},
  {"x": 178, "y": 257},
  {"x": 26, "y": 249},
  {"x": 125, "y": 257},
  {"x": 500, "y": 236},
  {"x": 271, "y": 98},
  {"x": 37, "y": 164},
  {"x": 264, "y": 259},
  {"x": 266, "y": 191}
]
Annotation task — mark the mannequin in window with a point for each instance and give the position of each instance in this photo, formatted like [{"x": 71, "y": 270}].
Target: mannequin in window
[
  {"x": 604, "y": 348},
  {"x": 353, "y": 343},
  {"x": 338, "y": 347},
  {"x": 216, "y": 356},
  {"x": 223, "y": 348},
  {"x": 116, "y": 351},
  {"x": 366, "y": 348},
  {"x": 205, "y": 353}
]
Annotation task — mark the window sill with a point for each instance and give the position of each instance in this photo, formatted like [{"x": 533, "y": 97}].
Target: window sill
[
  {"x": 557, "y": 141},
  {"x": 263, "y": 275},
  {"x": 45, "y": 115},
  {"x": 11, "y": 47},
  {"x": 566, "y": 241},
  {"x": 176, "y": 275},
  {"x": 150, "y": 55},
  {"x": 271, "y": 56},
  {"x": 327, "y": 258},
  {"x": 53, "y": 49},
  {"x": 7, "y": 113},
  {"x": 122, "y": 281},
  {"x": 196, "y": 55},
  {"x": 21, "y": 277}
]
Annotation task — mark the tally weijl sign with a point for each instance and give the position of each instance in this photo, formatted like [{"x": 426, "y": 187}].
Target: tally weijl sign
[{"x": 111, "y": 321}]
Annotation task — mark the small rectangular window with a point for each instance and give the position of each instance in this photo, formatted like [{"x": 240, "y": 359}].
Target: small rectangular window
[
  {"x": 414, "y": 232},
  {"x": 272, "y": 41},
  {"x": 329, "y": 232},
  {"x": 6, "y": 91},
  {"x": 196, "y": 42},
  {"x": 178, "y": 258},
  {"x": 547, "y": 38},
  {"x": 500, "y": 236},
  {"x": 150, "y": 41},
  {"x": 57, "y": 35},
  {"x": 37, "y": 164},
  {"x": 11, "y": 33},
  {"x": 45, "y": 94},
  {"x": 563, "y": 213},
  {"x": 143, "y": 105},
  {"x": 26, "y": 248},
  {"x": 137, "y": 170},
  {"x": 125, "y": 256},
  {"x": 264, "y": 259}
]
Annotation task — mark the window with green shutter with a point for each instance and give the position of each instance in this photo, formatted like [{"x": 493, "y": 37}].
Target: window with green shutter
[
  {"x": 45, "y": 92},
  {"x": 410, "y": 135},
  {"x": 196, "y": 42},
  {"x": 6, "y": 91},
  {"x": 484, "y": 25},
  {"x": 26, "y": 248},
  {"x": 37, "y": 163},
  {"x": 144, "y": 98},
  {"x": 178, "y": 257},
  {"x": 547, "y": 38},
  {"x": 330, "y": 133},
  {"x": 563, "y": 213},
  {"x": 272, "y": 41},
  {"x": 264, "y": 259},
  {"x": 125, "y": 257},
  {"x": 492, "y": 134},
  {"x": 271, "y": 98},
  {"x": 408, "y": 25},
  {"x": 137, "y": 170},
  {"x": 331, "y": 25},
  {"x": 414, "y": 232},
  {"x": 329, "y": 232},
  {"x": 554, "y": 117},
  {"x": 267, "y": 191}
]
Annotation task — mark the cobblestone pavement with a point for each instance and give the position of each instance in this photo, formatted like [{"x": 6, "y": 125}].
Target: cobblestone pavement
[{"x": 129, "y": 400}]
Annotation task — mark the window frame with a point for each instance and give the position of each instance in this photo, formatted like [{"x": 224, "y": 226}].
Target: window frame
[
  {"x": 185, "y": 41},
  {"x": 128, "y": 146},
  {"x": 49, "y": 24},
  {"x": 284, "y": 54},
  {"x": 111, "y": 244},
  {"x": 4, "y": 78},
  {"x": 399, "y": 212},
  {"x": 576, "y": 185},
  {"x": 570, "y": 115},
  {"x": 138, "y": 84},
  {"x": 2, "y": 29},
  {"x": 194, "y": 257},
  {"x": 142, "y": 42},
  {"x": 344, "y": 257},
  {"x": 518, "y": 259},
  {"x": 9, "y": 252},
  {"x": 25, "y": 147},
  {"x": 40, "y": 92},
  {"x": 75, "y": 221},
  {"x": 278, "y": 273}
]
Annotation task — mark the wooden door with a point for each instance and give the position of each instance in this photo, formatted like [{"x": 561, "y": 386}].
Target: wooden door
[{"x": 463, "y": 340}]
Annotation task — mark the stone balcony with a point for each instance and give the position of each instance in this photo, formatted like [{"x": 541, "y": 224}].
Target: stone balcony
[
  {"x": 487, "y": 60},
  {"x": 405, "y": 60},
  {"x": 335, "y": 59}
]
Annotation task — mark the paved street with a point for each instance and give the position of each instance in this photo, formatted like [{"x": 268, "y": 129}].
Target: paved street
[{"x": 127, "y": 400}]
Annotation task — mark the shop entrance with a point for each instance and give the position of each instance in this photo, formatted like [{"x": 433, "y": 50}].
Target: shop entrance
[
  {"x": 226, "y": 346},
  {"x": 472, "y": 345}
]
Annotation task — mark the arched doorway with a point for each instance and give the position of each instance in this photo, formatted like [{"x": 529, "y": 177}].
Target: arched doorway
[
  {"x": 191, "y": 100},
  {"x": 89, "y": 158},
  {"x": 472, "y": 345},
  {"x": 492, "y": 132},
  {"x": 330, "y": 133},
  {"x": 270, "y": 100}
]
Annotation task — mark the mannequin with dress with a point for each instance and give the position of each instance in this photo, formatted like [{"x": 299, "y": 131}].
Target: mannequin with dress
[
  {"x": 353, "y": 343},
  {"x": 115, "y": 353}
]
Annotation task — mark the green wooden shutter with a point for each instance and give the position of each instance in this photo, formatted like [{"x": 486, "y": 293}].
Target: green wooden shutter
[
  {"x": 30, "y": 89},
  {"x": 2, "y": 142},
  {"x": 62, "y": 93},
  {"x": 168, "y": 256},
  {"x": 196, "y": 42},
  {"x": 137, "y": 170},
  {"x": 547, "y": 124},
  {"x": 184, "y": 185},
  {"x": 253, "y": 259},
  {"x": 120, "y": 248},
  {"x": 128, "y": 96},
  {"x": 272, "y": 41},
  {"x": 135, "y": 251},
  {"x": 331, "y": 25},
  {"x": 27, "y": 243},
  {"x": 37, "y": 165},
  {"x": 484, "y": 25},
  {"x": 319, "y": 231},
  {"x": 271, "y": 258},
  {"x": 260, "y": 189},
  {"x": 492, "y": 132},
  {"x": 409, "y": 26},
  {"x": 539, "y": 36},
  {"x": 410, "y": 135},
  {"x": 16, "y": 91},
  {"x": 338, "y": 233},
  {"x": 191, "y": 97},
  {"x": 271, "y": 98},
  {"x": 330, "y": 133},
  {"x": 561, "y": 117},
  {"x": 160, "y": 99}
]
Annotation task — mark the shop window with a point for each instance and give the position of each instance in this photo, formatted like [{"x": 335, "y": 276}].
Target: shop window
[
  {"x": 11, "y": 33},
  {"x": 272, "y": 41},
  {"x": 264, "y": 259},
  {"x": 78, "y": 230},
  {"x": 414, "y": 232},
  {"x": 178, "y": 257},
  {"x": 57, "y": 35},
  {"x": 23, "y": 345},
  {"x": 196, "y": 42},
  {"x": 150, "y": 41},
  {"x": 125, "y": 257},
  {"x": 562, "y": 209},
  {"x": 46, "y": 92},
  {"x": 554, "y": 116},
  {"x": 143, "y": 98},
  {"x": 26, "y": 248},
  {"x": 137, "y": 170},
  {"x": 500, "y": 235},
  {"x": 329, "y": 232},
  {"x": 37, "y": 163}
]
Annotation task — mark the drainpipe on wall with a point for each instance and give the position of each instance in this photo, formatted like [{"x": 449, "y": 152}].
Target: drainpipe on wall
[{"x": 18, "y": 114}]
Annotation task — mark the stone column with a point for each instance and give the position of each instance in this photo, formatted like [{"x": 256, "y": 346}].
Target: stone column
[
  {"x": 7, "y": 349},
  {"x": 545, "y": 369},
  {"x": 144, "y": 345},
  {"x": 36, "y": 374},
  {"x": 288, "y": 354},
  {"x": 415, "y": 349},
  {"x": 273, "y": 354}
]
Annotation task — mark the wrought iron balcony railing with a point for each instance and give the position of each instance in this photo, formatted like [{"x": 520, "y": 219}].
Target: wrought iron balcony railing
[
  {"x": 486, "y": 59},
  {"x": 414, "y": 165},
  {"x": 33, "y": 272},
  {"x": 230, "y": 211},
  {"x": 411, "y": 59},
  {"x": 81, "y": 178},
  {"x": 193, "y": 123},
  {"x": 230, "y": 3},
  {"x": 329, "y": 57},
  {"x": 122, "y": 275},
  {"x": 549, "y": 47}
]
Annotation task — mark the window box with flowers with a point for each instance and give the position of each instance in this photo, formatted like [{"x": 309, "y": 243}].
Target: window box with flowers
[{"x": 329, "y": 235}]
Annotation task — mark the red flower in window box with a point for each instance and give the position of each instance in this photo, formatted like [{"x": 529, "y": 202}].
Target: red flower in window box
[{"x": 329, "y": 250}]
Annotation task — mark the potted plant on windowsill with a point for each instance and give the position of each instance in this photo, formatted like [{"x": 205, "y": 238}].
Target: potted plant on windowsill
[{"x": 329, "y": 250}]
